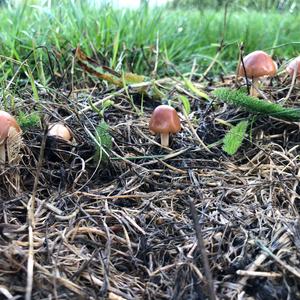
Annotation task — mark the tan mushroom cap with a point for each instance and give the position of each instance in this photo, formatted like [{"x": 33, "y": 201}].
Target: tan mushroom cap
[
  {"x": 258, "y": 64},
  {"x": 164, "y": 119},
  {"x": 8, "y": 125},
  {"x": 291, "y": 67},
  {"x": 61, "y": 131}
]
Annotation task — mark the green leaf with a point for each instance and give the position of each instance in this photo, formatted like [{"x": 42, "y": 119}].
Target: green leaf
[
  {"x": 255, "y": 105},
  {"x": 115, "y": 49},
  {"x": 103, "y": 142},
  {"x": 188, "y": 84},
  {"x": 186, "y": 104},
  {"x": 33, "y": 85},
  {"x": 234, "y": 138}
]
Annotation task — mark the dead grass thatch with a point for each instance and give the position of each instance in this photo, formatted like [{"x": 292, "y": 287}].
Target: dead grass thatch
[{"x": 124, "y": 229}]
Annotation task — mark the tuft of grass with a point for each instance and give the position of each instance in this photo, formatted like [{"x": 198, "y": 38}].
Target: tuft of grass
[
  {"x": 27, "y": 121},
  {"x": 255, "y": 105},
  {"x": 234, "y": 138}
]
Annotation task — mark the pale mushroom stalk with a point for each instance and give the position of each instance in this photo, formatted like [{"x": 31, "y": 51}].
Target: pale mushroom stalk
[
  {"x": 293, "y": 68},
  {"x": 164, "y": 139},
  {"x": 254, "y": 87},
  {"x": 2, "y": 152},
  {"x": 293, "y": 74}
]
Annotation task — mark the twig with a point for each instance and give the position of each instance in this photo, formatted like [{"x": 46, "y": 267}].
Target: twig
[
  {"x": 244, "y": 69},
  {"x": 254, "y": 265},
  {"x": 278, "y": 260},
  {"x": 154, "y": 72},
  {"x": 258, "y": 261},
  {"x": 258, "y": 274},
  {"x": 193, "y": 70},
  {"x": 201, "y": 247},
  {"x": 165, "y": 268},
  {"x": 201, "y": 143},
  {"x": 89, "y": 107},
  {"x": 4, "y": 291},
  {"x": 63, "y": 281},
  {"x": 214, "y": 60},
  {"x": 239, "y": 63},
  {"x": 31, "y": 220},
  {"x": 200, "y": 240},
  {"x": 114, "y": 293}
]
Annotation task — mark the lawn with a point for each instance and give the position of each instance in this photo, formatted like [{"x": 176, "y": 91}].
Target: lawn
[
  {"x": 128, "y": 39},
  {"x": 105, "y": 211}
]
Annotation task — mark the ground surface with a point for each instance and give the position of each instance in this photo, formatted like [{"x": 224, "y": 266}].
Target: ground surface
[{"x": 124, "y": 229}]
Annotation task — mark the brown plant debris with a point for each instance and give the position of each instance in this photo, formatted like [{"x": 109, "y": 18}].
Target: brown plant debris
[{"x": 123, "y": 229}]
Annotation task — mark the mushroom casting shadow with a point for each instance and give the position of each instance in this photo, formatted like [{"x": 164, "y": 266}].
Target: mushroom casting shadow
[{"x": 164, "y": 120}]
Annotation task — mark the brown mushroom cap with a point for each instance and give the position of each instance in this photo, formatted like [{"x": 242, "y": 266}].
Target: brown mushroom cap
[
  {"x": 291, "y": 67},
  {"x": 8, "y": 125},
  {"x": 258, "y": 64},
  {"x": 164, "y": 119},
  {"x": 61, "y": 131}
]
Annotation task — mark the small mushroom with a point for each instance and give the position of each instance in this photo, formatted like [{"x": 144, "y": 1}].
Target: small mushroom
[
  {"x": 257, "y": 64},
  {"x": 10, "y": 145},
  {"x": 294, "y": 66},
  {"x": 10, "y": 137},
  {"x": 164, "y": 120},
  {"x": 60, "y": 131}
]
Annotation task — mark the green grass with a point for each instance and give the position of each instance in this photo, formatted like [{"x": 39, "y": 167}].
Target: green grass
[
  {"x": 119, "y": 36},
  {"x": 27, "y": 121}
]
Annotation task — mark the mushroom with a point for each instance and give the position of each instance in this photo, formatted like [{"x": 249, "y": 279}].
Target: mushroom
[
  {"x": 10, "y": 141},
  {"x": 10, "y": 145},
  {"x": 294, "y": 66},
  {"x": 164, "y": 120},
  {"x": 60, "y": 131},
  {"x": 257, "y": 64}
]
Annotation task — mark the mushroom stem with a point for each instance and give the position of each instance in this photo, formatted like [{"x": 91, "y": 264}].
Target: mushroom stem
[
  {"x": 254, "y": 87},
  {"x": 2, "y": 153},
  {"x": 164, "y": 139}
]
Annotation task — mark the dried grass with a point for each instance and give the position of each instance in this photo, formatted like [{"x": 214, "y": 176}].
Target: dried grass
[{"x": 125, "y": 231}]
